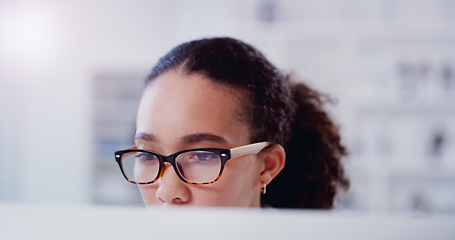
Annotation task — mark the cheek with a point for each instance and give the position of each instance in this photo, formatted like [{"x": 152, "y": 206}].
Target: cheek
[
  {"x": 243, "y": 170},
  {"x": 148, "y": 194},
  {"x": 238, "y": 184}
]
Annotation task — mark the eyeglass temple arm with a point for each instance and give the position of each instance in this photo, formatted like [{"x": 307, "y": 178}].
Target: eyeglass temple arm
[{"x": 248, "y": 149}]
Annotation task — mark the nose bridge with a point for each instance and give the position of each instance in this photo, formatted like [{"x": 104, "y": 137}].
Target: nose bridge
[
  {"x": 171, "y": 160},
  {"x": 171, "y": 190},
  {"x": 168, "y": 163}
]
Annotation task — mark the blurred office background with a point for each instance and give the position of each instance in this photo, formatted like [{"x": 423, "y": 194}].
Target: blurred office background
[{"x": 71, "y": 74}]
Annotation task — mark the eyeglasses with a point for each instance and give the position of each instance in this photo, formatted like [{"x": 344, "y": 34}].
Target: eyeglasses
[{"x": 194, "y": 166}]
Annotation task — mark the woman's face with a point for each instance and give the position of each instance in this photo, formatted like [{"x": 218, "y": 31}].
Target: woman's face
[{"x": 179, "y": 112}]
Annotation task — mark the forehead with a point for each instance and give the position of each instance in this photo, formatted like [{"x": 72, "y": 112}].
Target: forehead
[
  {"x": 194, "y": 90},
  {"x": 175, "y": 104}
]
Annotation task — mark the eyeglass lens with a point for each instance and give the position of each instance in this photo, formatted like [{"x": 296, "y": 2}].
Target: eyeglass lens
[{"x": 193, "y": 166}]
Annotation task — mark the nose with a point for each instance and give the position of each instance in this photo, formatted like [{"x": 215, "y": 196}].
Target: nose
[{"x": 172, "y": 190}]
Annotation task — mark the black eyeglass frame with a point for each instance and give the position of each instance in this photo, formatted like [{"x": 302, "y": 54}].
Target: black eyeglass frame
[{"x": 224, "y": 154}]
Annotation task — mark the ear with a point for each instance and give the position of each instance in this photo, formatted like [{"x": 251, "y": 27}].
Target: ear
[{"x": 274, "y": 160}]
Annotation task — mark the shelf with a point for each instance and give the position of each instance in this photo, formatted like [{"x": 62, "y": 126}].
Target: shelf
[
  {"x": 428, "y": 111},
  {"x": 116, "y": 99}
]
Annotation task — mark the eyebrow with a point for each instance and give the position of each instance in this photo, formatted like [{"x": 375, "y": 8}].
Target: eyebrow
[
  {"x": 145, "y": 136},
  {"x": 201, "y": 137},
  {"x": 188, "y": 139}
]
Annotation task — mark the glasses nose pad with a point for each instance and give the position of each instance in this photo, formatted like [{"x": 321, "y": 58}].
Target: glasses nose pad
[
  {"x": 167, "y": 165},
  {"x": 160, "y": 174},
  {"x": 180, "y": 169}
]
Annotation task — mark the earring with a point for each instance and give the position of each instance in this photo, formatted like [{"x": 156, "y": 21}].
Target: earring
[{"x": 264, "y": 188}]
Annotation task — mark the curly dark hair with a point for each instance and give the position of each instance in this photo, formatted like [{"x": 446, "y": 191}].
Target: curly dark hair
[{"x": 277, "y": 111}]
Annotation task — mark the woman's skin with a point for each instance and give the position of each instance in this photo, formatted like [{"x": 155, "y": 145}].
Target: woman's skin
[{"x": 180, "y": 111}]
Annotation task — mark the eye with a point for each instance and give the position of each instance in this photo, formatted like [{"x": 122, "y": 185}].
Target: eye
[
  {"x": 146, "y": 156},
  {"x": 204, "y": 156}
]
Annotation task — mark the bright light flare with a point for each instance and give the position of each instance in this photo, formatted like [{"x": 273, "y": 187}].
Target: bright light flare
[{"x": 29, "y": 33}]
